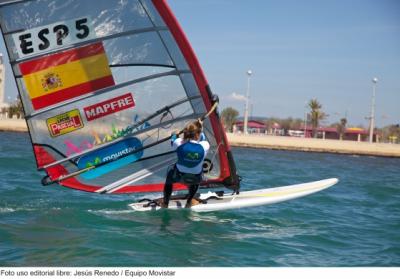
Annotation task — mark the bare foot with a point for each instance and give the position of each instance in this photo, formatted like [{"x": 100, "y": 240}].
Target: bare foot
[
  {"x": 192, "y": 203},
  {"x": 163, "y": 205},
  {"x": 195, "y": 202}
]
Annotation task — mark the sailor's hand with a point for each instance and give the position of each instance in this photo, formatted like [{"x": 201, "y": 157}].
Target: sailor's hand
[
  {"x": 174, "y": 136},
  {"x": 215, "y": 98},
  {"x": 200, "y": 121}
]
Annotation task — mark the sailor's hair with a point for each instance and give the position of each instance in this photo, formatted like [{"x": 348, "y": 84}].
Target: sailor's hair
[{"x": 192, "y": 130}]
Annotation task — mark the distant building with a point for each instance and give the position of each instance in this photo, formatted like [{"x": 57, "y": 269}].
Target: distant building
[
  {"x": 253, "y": 127},
  {"x": 276, "y": 130},
  {"x": 3, "y": 104},
  {"x": 354, "y": 134}
]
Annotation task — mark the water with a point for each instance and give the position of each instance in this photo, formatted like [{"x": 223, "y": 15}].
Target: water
[{"x": 355, "y": 223}]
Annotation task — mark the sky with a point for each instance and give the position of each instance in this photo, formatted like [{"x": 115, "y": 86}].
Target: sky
[{"x": 297, "y": 50}]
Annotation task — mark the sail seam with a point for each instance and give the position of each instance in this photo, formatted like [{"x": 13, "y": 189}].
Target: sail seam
[{"x": 14, "y": 2}]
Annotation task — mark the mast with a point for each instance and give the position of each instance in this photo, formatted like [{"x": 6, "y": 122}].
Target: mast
[
  {"x": 372, "y": 117},
  {"x": 2, "y": 83},
  {"x": 246, "y": 111}
]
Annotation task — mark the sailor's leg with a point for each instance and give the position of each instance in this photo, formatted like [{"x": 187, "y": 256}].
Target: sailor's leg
[
  {"x": 192, "y": 191},
  {"x": 168, "y": 186}
]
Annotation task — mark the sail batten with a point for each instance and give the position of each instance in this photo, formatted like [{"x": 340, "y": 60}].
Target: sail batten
[
  {"x": 79, "y": 44},
  {"x": 142, "y": 64},
  {"x": 103, "y": 87}
]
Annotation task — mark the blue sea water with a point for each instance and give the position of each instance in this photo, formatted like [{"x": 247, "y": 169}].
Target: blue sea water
[{"x": 355, "y": 223}]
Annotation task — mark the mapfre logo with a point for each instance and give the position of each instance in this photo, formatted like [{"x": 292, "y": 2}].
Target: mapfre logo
[
  {"x": 64, "y": 123},
  {"x": 109, "y": 107}
]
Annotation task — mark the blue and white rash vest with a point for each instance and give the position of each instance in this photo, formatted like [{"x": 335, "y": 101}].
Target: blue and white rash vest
[{"x": 191, "y": 154}]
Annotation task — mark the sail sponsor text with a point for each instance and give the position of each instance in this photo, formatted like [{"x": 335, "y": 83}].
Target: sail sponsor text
[
  {"x": 56, "y": 35},
  {"x": 64, "y": 123},
  {"x": 109, "y": 107}
]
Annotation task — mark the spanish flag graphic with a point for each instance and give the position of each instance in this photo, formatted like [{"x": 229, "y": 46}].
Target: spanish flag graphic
[{"x": 62, "y": 76}]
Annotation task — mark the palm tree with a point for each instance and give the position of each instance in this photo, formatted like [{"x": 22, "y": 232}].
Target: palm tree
[
  {"x": 341, "y": 127},
  {"x": 316, "y": 115},
  {"x": 16, "y": 109}
]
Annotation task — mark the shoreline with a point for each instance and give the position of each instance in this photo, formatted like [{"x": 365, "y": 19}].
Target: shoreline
[
  {"x": 13, "y": 125},
  {"x": 315, "y": 145},
  {"x": 275, "y": 142}
]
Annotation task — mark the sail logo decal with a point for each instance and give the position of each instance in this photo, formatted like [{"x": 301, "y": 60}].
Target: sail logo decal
[
  {"x": 193, "y": 156},
  {"x": 58, "y": 77},
  {"x": 117, "y": 155},
  {"x": 64, "y": 123},
  {"x": 53, "y": 36},
  {"x": 109, "y": 107},
  {"x": 96, "y": 140}
]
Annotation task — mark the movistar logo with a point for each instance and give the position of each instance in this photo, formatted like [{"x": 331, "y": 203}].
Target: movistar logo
[
  {"x": 193, "y": 155},
  {"x": 96, "y": 161},
  {"x": 118, "y": 154}
]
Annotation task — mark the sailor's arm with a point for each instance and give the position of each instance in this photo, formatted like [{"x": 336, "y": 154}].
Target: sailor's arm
[{"x": 206, "y": 145}]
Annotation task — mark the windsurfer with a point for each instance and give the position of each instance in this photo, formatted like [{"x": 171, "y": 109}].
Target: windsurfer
[{"x": 191, "y": 151}]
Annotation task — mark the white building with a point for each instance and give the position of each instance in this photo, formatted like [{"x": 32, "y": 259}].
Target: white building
[{"x": 3, "y": 104}]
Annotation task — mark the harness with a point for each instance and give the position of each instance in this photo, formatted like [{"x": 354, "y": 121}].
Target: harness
[{"x": 186, "y": 178}]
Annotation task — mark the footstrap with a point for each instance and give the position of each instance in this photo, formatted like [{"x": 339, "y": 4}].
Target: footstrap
[
  {"x": 150, "y": 203},
  {"x": 209, "y": 198}
]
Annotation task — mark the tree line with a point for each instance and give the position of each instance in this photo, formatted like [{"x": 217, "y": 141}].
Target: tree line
[
  {"x": 315, "y": 116},
  {"x": 229, "y": 115},
  {"x": 15, "y": 108}
]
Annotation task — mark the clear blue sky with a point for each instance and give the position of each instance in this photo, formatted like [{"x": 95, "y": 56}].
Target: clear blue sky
[{"x": 297, "y": 50}]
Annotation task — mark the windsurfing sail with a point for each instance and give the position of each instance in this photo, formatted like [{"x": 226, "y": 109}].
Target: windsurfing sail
[{"x": 104, "y": 84}]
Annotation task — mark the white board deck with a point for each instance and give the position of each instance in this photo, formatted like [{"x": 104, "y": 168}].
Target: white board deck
[{"x": 245, "y": 199}]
